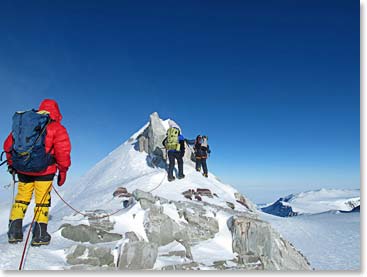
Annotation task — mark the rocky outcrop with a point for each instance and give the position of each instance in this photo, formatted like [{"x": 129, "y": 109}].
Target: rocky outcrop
[
  {"x": 90, "y": 256},
  {"x": 279, "y": 209},
  {"x": 244, "y": 202},
  {"x": 156, "y": 134},
  {"x": 85, "y": 233},
  {"x": 138, "y": 255},
  {"x": 150, "y": 141},
  {"x": 255, "y": 240}
]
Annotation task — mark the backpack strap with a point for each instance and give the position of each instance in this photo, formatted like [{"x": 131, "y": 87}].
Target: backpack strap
[{"x": 1, "y": 158}]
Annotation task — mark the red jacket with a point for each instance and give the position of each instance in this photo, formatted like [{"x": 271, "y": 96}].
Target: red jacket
[{"x": 56, "y": 136}]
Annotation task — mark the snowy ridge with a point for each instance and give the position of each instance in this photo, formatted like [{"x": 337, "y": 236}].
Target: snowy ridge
[
  {"x": 127, "y": 167},
  {"x": 132, "y": 169}
]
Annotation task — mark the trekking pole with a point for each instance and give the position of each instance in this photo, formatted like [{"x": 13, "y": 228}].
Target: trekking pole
[{"x": 26, "y": 246}]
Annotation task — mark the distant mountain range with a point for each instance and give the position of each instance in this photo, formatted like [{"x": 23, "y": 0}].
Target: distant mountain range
[{"x": 315, "y": 201}]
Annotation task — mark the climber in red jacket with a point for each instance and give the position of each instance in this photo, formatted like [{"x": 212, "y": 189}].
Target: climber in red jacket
[{"x": 56, "y": 150}]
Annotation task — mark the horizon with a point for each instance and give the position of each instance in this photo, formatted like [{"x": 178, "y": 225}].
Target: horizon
[{"x": 274, "y": 86}]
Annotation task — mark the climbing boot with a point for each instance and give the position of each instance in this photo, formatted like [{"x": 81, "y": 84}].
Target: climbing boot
[
  {"x": 40, "y": 235},
  {"x": 205, "y": 175},
  {"x": 181, "y": 176},
  {"x": 15, "y": 233},
  {"x": 170, "y": 179}
]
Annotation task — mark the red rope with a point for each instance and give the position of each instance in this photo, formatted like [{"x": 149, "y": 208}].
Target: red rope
[
  {"x": 84, "y": 214},
  {"x": 30, "y": 228},
  {"x": 67, "y": 204}
]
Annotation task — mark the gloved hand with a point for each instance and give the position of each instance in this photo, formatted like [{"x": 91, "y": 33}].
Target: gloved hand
[
  {"x": 61, "y": 178},
  {"x": 11, "y": 170}
]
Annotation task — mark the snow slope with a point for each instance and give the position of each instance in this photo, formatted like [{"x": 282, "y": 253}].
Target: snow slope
[
  {"x": 128, "y": 168},
  {"x": 330, "y": 241},
  {"x": 317, "y": 201}
]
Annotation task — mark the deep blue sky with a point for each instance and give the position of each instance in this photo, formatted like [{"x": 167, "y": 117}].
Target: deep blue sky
[{"x": 274, "y": 84}]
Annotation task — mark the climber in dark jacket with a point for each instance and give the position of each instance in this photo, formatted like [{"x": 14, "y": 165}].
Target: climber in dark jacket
[
  {"x": 201, "y": 154},
  {"x": 175, "y": 146}
]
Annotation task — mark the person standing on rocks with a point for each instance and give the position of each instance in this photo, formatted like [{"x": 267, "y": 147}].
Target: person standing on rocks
[
  {"x": 202, "y": 150},
  {"x": 36, "y": 148},
  {"x": 175, "y": 146}
]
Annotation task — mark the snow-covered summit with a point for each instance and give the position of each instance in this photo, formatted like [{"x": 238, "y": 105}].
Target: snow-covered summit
[
  {"x": 150, "y": 223},
  {"x": 315, "y": 201},
  {"x": 131, "y": 167}
]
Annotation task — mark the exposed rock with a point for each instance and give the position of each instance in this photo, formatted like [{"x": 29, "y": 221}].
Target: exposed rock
[
  {"x": 204, "y": 192},
  {"x": 188, "y": 194},
  {"x": 160, "y": 228},
  {"x": 244, "y": 202},
  {"x": 139, "y": 194},
  {"x": 138, "y": 255},
  {"x": 252, "y": 238},
  {"x": 181, "y": 254},
  {"x": 98, "y": 220},
  {"x": 94, "y": 256},
  {"x": 200, "y": 227},
  {"x": 198, "y": 198},
  {"x": 85, "y": 233},
  {"x": 120, "y": 191},
  {"x": 156, "y": 134},
  {"x": 131, "y": 236},
  {"x": 279, "y": 209},
  {"x": 231, "y": 205},
  {"x": 189, "y": 266}
]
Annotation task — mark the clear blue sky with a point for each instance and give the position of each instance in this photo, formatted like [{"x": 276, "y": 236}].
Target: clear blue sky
[{"x": 274, "y": 84}]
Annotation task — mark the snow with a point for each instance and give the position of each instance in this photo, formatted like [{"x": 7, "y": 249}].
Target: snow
[
  {"x": 217, "y": 249},
  {"x": 330, "y": 241},
  {"x": 322, "y": 200},
  {"x": 128, "y": 168}
]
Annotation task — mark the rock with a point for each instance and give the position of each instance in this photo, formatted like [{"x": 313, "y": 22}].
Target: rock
[
  {"x": 198, "y": 198},
  {"x": 205, "y": 192},
  {"x": 120, "y": 191},
  {"x": 94, "y": 256},
  {"x": 97, "y": 220},
  {"x": 231, "y": 205},
  {"x": 139, "y": 194},
  {"x": 141, "y": 142},
  {"x": 188, "y": 194},
  {"x": 189, "y": 266},
  {"x": 279, "y": 209},
  {"x": 146, "y": 204},
  {"x": 85, "y": 233},
  {"x": 156, "y": 134},
  {"x": 255, "y": 239},
  {"x": 244, "y": 202},
  {"x": 181, "y": 254},
  {"x": 138, "y": 255},
  {"x": 131, "y": 236},
  {"x": 160, "y": 228},
  {"x": 200, "y": 227}
]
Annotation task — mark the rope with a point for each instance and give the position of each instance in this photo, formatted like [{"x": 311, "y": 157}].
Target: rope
[
  {"x": 26, "y": 246},
  {"x": 161, "y": 183},
  {"x": 84, "y": 214}
]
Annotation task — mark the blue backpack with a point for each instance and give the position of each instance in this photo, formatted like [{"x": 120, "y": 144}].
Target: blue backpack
[{"x": 29, "y": 132}]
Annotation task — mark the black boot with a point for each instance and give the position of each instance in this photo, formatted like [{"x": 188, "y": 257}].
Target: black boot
[
  {"x": 15, "y": 233},
  {"x": 181, "y": 176},
  {"x": 170, "y": 179},
  {"x": 40, "y": 235}
]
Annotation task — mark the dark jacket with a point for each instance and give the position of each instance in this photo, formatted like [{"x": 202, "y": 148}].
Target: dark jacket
[{"x": 201, "y": 151}]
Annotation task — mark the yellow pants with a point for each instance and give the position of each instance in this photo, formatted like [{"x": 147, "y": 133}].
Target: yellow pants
[{"x": 43, "y": 200}]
